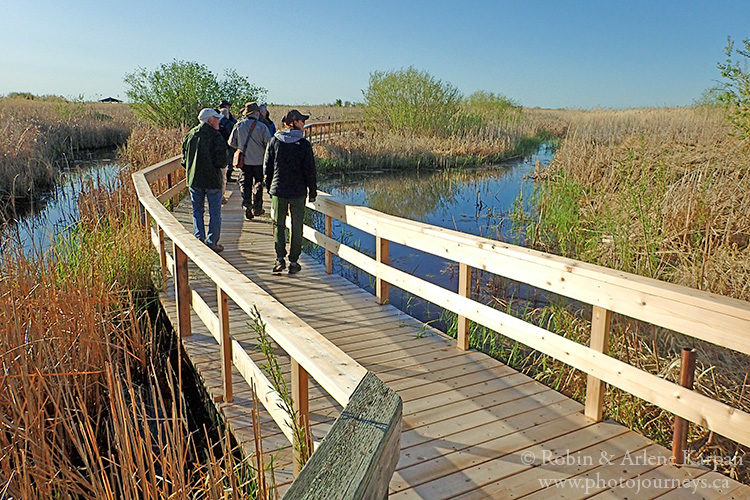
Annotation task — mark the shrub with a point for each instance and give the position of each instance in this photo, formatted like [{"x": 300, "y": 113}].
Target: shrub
[
  {"x": 490, "y": 105},
  {"x": 173, "y": 94},
  {"x": 736, "y": 95},
  {"x": 409, "y": 99}
]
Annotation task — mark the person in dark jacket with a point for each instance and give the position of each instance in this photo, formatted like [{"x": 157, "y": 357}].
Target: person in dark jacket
[
  {"x": 289, "y": 168},
  {"x": 225, "y": 128},
  {"x": 265, "y": 117},
  {"x": 204, "y": 153}
]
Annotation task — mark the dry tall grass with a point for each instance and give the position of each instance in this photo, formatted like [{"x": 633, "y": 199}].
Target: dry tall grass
[
  {"x": 482, "y": 143},
  {"x": 663, "y": 193},
  {"x": 87, "y": 409},
  {"x": 35, "y": 136}
]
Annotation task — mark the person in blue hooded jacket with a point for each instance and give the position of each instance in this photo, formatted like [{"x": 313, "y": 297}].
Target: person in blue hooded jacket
[{"x": 289, "y": 168}]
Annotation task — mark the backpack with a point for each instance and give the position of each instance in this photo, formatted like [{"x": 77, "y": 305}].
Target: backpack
[{"x": 238, "y": 160}]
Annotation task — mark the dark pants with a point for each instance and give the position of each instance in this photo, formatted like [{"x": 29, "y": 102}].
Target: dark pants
[
  {"x": 251, "y": 187},
  {"x": 296, "y": 207},
  {"x": 230, "y": 159}
]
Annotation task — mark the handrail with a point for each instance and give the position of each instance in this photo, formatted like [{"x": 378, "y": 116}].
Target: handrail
[
  {"x": 311, "y": 353},
  {"x": 713, "y": 318},
  {"x": 321, "y": 131}
]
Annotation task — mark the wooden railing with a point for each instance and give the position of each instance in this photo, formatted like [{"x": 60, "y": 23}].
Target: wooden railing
[
  {"x": 712, "y": 318},
  {"x": 323, "y": 131},
  {"x": 374, "y": 440}
]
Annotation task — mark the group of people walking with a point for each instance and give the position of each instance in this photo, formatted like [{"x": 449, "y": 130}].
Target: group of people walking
[{"x": 281, "y": 161}]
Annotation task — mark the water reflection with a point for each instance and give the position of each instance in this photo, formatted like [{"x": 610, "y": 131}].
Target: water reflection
[
  {"x": 477, "y": 202},
  {"x": 56, "y": 213}
]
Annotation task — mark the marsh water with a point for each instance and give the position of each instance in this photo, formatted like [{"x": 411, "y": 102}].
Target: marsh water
[
  {"x": 478, "y": 202},
  {"x": 56, "y": 212}
]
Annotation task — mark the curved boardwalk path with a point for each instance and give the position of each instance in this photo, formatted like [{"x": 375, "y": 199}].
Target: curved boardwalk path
[{"x": 472, "y": 427}]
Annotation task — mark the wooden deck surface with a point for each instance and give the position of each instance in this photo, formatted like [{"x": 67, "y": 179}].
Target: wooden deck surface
[{"x": 472, "y": 427}]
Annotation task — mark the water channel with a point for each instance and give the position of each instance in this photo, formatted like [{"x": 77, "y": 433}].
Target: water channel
[
  {"x": 474, "y": 201},
  {"x": 478, "y": 202},
  {"x": 53, "y": 215}
]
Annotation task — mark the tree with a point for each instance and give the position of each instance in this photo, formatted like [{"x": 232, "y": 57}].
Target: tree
[
  {"x": 736, "y": 95},
  {"x": 173, "y": 94}
]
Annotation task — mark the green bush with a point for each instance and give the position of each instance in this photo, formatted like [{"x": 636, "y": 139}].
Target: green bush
[
  {"x": 492, "y": 106},
  {"x": 172, "y": 95},
  {"x": 409, "y": 99},
  {"x": 736, "y": 95}
]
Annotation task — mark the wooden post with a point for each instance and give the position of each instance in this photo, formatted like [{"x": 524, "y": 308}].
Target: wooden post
[
  {"x": 679, "y": 436},
  {"x": 182, "y": 292},
  {"x": 162, "y": 259},
  {"x": 301, "y": 406},
  {"x": 382, "y": 255},
  {"x": 226, "y": 344},
  {"x": 600, "y": 323},
  {"x": 329, "y": 255},
  {"x": 464, "y": 290},
  {"x": 169, "y": 180},
  {"x": 142, "y": 215}
]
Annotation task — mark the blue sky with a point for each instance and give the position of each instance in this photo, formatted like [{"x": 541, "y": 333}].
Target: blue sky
[{"x": 572, "y": 54}]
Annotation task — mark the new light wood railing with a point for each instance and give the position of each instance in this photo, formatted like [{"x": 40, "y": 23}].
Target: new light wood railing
[
  {"x": 720, "y": 320},
  {"x": 362, "y": 451}
]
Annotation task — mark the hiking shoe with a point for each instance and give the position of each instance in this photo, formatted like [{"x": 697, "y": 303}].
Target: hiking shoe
[
  {"x": 259, "y": 212},
  {"x": 248, "y": 213},
  {"x": 218, "y": 248},
  {"x": 279, "y": 266},
  {"x": 294, "y": 268}
]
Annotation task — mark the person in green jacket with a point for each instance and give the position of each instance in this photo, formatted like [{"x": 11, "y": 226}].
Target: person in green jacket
[{"x": 203, "y": 156}]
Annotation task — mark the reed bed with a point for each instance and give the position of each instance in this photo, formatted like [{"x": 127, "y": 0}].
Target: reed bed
[
  {"x": 89, "y": 406},
  {"x": 464, "y": 143},
  {"x": 37, "y": 137},
  {"x": 661, "y": 193}
]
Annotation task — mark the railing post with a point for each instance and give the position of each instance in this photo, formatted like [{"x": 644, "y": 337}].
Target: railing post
[
  {"x": 182, "y": 291},
  {"x": 464, "y": 290},
  {"x": 329, "y": 255},
  {"x": 301, "y": 406},
  {"x": 162, "y": 258},
  {"x": 142, "y": 214},
  {"x": 600, "y": 324},
  {"x": 382, "y": 255},
  {"x": 679, "y": 436},
  {"x": 226, "y": 344}
]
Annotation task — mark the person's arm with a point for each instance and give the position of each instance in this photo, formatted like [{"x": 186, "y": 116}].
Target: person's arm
[
  {"x": 234, "y": 136},
  {"x": 311, "y": 178},
  {"x": 268, "y": 165},
  {"x": 266, "y": 136},
  {"x": 183, "y": 161}
]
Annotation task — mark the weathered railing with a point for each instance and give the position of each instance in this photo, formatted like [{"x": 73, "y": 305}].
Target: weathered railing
[
  {"x": 362, "y": 447},
  {"x": 323, "y": 131},
  {"x": 719, "y": 320}
]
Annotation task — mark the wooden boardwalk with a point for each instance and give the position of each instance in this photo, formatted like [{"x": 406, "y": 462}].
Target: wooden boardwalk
[{"x": 472, "y": 427}]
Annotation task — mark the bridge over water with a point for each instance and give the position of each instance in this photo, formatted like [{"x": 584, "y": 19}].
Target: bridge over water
[{"x": 396, "y": 407}]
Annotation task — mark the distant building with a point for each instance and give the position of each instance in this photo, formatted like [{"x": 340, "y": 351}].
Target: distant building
[{"x": 109, "y": 99}]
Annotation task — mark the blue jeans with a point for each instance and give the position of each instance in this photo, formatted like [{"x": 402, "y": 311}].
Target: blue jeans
[{"x": 197, "y": 199}]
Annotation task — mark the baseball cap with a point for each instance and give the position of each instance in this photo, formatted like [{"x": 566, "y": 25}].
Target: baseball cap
[
  {"x": 207, "y": 113},
  {"x": 294, "y": 115}
]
